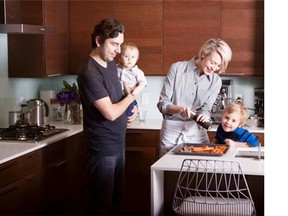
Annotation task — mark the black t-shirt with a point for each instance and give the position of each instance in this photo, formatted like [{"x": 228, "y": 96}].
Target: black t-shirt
[{"x": 103, "y": 137}]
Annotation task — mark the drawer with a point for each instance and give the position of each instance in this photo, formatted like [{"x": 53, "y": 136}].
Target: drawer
[
  {"x": 31, "y": 162},
  {"x": 142, "y": 138},
  {"x": 10, "y": 199},
  {"x": 58, "y": 151},
  {"x": 9, "y": 172}
]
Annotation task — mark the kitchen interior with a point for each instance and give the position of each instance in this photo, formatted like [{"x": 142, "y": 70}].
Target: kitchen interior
[{"x": 22, "y": 85}]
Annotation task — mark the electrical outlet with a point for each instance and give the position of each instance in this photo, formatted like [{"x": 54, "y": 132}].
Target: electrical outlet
[
  {"x": 145, "y": 98},
  {"x": 239, "y": 97}
]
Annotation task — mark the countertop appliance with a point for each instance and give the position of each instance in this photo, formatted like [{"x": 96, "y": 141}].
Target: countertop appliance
[
  {"x": 224, "y": 98},
  {"x": 29, "y": 133},
  {"x": 36, "y": 108},
  {"x": 259, "y": 105}
]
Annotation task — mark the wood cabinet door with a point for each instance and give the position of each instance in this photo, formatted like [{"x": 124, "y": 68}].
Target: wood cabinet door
[
  {"x": 39, "y": 55},
  {"x": 57, "y": 45},
  {"x": 10, "y": 171},
  {"x": 10, "y": 199},
  {"x": 83, "y": 16},
  {"x": 142, "y": 150},
  {"x": 242, "y": 27},
  {"x": 143, "y": 22},
  {"x": 187, "y": 25},
  {"x": 137, "y": 179}
]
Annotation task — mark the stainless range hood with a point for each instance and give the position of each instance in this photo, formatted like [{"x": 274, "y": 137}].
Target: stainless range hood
[
  {"x": 25, "y": 29},
  {"x": 22, "y": 17}
]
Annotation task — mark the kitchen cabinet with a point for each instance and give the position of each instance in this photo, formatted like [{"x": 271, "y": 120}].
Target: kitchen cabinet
[
  {"x": 83, "y": 16},
  {"x": 142, "y": 150},
  {"x": 20, "y": 188},
  {"x": 140, "y": 28},
  {"x": 63, "y": 174},
  {"x": 175, "y": 32},
  {"x": 38, "y": 55},
  {"x": 242, "y": 27},
  {"x": 144, "y": 27},
  {"x": 187, "y": 25}
]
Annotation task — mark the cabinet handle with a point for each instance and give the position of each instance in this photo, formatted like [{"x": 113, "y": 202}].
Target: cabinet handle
[
  {"x": 52, "y": 75},
  {"x": 233, "y": 74},
  {"x": 60, "y": 163},
  {"x": 9, "y": 190},
  {"x": 8, "y": 166}
]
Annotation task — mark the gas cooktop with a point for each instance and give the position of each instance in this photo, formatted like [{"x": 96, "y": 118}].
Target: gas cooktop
[{"x": 29, "y": 133}]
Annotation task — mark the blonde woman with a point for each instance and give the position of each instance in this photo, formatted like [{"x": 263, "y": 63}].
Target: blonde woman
[
  {"x": 192, "y": 84},
  {"x": 231, "y": 130}
]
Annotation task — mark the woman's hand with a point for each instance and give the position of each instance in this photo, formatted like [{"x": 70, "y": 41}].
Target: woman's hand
[
  {"x": 185, "y": 112},
  {"x": 203, "y": 118}
]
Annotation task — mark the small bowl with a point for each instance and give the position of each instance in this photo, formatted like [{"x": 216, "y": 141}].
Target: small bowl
[{"x": 253, "y": 122}]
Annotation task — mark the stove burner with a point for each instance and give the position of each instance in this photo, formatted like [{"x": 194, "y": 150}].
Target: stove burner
[{"x": 29, "y": 133}]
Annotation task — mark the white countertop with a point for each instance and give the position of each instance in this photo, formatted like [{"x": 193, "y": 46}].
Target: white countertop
[
  {"x": 173, "y": 162},
  {"x": 13, "y": 149}
]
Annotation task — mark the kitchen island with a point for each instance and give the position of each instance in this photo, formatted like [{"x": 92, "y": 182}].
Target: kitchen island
[{"x": 173, "y": 162}]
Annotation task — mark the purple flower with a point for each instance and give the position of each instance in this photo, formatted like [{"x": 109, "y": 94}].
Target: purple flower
[{"x": 68, "y": 94}]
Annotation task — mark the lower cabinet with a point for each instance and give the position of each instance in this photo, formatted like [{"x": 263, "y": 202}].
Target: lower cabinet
[
  {"x": 20, "y": 185},
  {"x": 142, "y": 150},
  {"x": 48, "y": 181},
  {"x": 63, "y": 175}
]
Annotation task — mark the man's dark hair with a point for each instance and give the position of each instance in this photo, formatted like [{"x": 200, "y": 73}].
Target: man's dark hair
[{"x": 106, "y": 28}]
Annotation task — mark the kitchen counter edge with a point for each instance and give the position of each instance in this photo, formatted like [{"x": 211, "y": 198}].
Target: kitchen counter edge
[{"x": 10, "y": 150}]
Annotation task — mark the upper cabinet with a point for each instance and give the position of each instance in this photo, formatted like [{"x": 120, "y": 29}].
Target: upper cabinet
[
  {"x": 37, "y": 55},
  {"x": 143, "y": 26},
  {"x": 187, "y": 25},
  {"x": 143, "y": 21},
  {"x": 167, "y": 31},
  {"x": 83, "y": 16},
  {"x": 242, "y": 26}
]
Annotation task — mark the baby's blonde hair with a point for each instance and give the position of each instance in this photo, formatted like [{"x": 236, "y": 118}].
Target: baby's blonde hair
[
  {"x": 240, "y": 108},
  {"x": 130, "y": 45}
]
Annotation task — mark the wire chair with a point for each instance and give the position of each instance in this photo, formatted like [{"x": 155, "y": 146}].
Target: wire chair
[{"x": 212, "y": 187}]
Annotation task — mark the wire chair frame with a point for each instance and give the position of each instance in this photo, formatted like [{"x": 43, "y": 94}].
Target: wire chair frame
[{"x": 212, "y": 187}]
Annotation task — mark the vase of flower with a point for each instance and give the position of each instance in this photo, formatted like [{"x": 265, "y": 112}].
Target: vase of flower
[
  {"x": 69, "y": 96},
  {"x": 73, "y": 115}
]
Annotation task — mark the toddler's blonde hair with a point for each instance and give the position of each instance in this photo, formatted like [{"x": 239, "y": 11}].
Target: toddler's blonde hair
[{"x": 240, "y": 108}]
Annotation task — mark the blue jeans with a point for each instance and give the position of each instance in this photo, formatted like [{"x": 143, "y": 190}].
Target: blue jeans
[{"x": 105, "y": 183}]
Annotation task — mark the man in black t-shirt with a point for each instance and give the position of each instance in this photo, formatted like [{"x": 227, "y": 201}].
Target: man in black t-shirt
[{"x": 104, "y": 118}]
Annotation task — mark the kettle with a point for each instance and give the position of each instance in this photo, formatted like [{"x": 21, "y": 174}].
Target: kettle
[{"x": 36, "y": 109}]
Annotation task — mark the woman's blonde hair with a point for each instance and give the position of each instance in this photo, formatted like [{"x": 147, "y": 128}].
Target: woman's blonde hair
[
  {"x": 240, "y": 108},
  {"x": 221, "y": 47}
]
